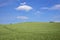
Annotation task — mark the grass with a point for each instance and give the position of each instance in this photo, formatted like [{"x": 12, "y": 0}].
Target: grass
[{"x": 30, "y": 31}]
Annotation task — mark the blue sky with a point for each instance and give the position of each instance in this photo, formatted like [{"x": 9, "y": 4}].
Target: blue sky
[{"x": 15, "y": 11}]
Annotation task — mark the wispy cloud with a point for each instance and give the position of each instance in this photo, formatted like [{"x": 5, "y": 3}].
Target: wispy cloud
[
  {"x": 55, "y": 7},
  {"x": 3, "y": 4},
  {"x": 37, "y": 13},
  {"x": 56, "y": 18},
  {"x": 22, "y": 17},
  {"x": 57, "y": 21},
  {"x": 7, "y": 2},
  {"x": 23, "y": 3},
  {"x": 23, "y": 6}
]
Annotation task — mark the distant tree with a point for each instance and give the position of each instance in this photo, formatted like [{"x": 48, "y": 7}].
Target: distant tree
[
  {"x": 51, "y": 22},
  {"x": 10, "y": 23}
]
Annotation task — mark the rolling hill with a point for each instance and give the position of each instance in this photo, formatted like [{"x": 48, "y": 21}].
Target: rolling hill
[{"x": 30, "y": 31}]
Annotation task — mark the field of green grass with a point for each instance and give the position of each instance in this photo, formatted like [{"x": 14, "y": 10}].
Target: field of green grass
[{"x": 30, "y": 31}]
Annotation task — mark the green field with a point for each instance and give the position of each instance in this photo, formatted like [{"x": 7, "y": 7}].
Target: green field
[{"x": 30, "y": 31}]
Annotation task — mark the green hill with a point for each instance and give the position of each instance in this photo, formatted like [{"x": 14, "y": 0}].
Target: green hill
[{"x": 30, "y": 31}]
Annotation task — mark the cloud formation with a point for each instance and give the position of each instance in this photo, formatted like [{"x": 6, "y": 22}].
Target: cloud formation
[
  {"x": 3, "y": 4},
  {"x": 22, "y": 17},
  {"x": 25, "y": 7},
  {"x": 55, "y": 7},
  {"x": 6, "y": 2},
  {"x": 23, "y": 3},
  {"x": 55, "y": 18},
  {"x": 37, "y": 13}
]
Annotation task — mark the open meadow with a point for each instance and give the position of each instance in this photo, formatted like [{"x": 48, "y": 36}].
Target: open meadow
[{"x": 30, "y": 31}]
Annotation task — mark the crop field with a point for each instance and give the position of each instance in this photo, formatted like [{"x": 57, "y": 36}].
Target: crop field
[{"x": 30, "y": 31}]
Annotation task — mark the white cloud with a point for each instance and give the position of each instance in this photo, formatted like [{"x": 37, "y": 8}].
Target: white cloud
[
  {"x": 58, "y": 16},
  {"x": 55, "y": 7},
  {"x": 44, "y": 8},
  {"x": 25, "y": 7},
  {"x": 23, "y": 3},
  {"x": 3, "y": 4},
  {"x": 55, "y": 18},
  {"x": 37, "y": 13},
  {"x": 56, "y": 21},
  {"x": 22, "y": 17},
  {"x": 6, "y": 2}
]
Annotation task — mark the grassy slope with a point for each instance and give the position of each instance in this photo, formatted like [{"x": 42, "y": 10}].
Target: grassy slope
[{"x": 30, "y": 31}]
